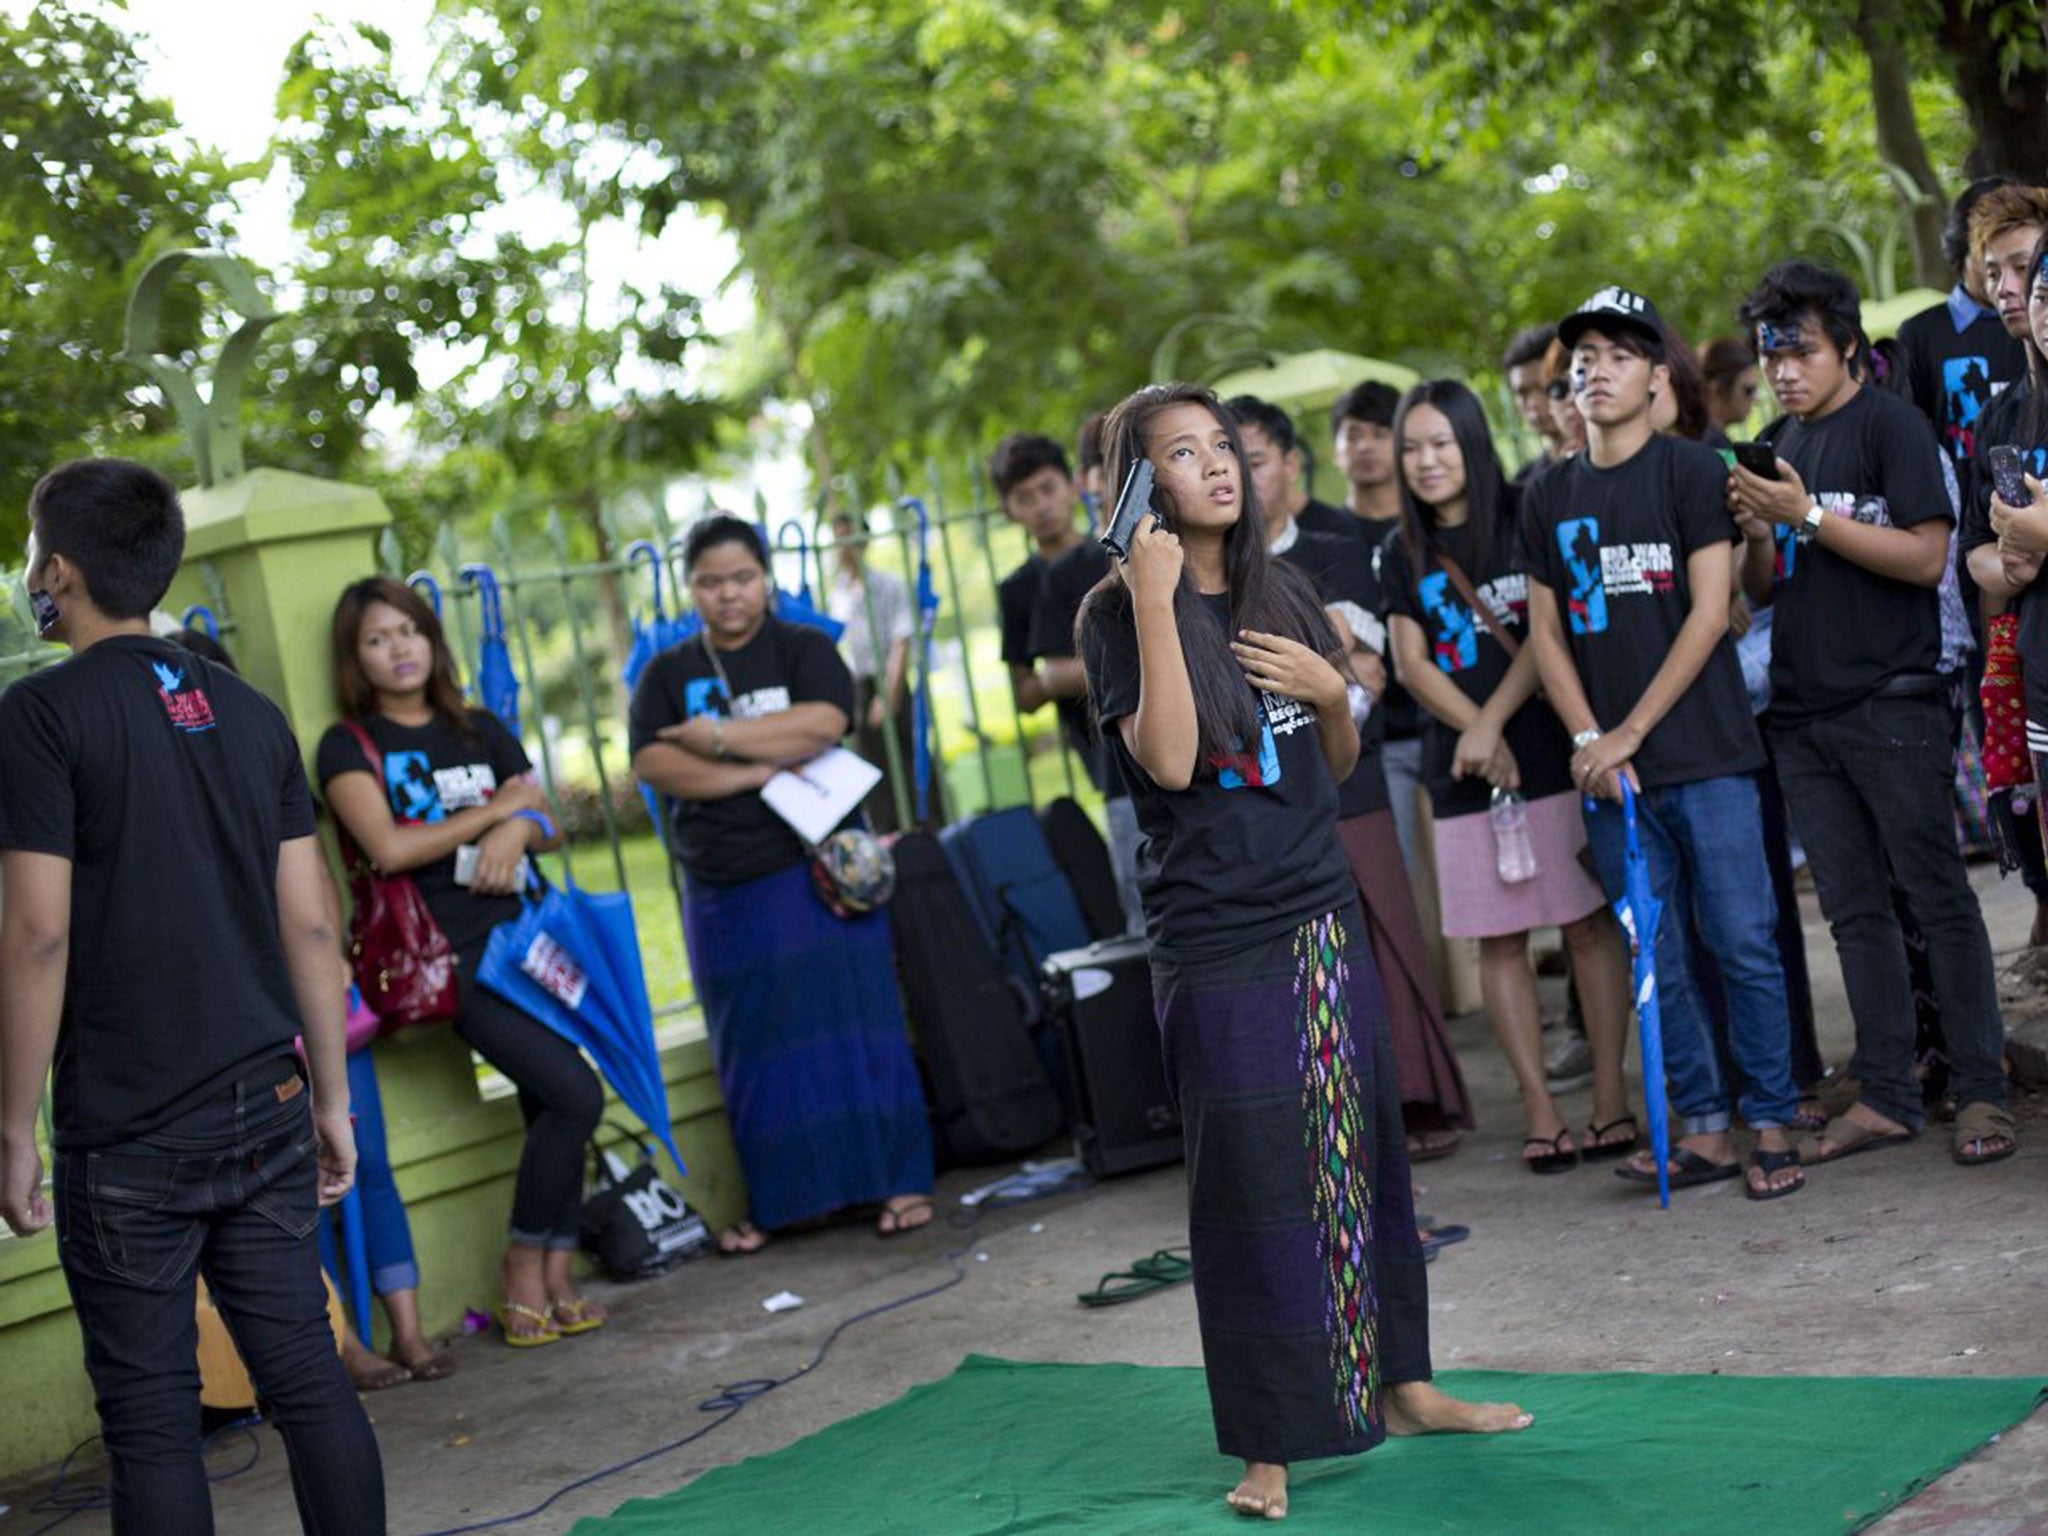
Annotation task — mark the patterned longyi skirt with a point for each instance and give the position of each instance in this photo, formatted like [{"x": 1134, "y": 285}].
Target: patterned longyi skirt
[{"x": 1308, "y": 1274}]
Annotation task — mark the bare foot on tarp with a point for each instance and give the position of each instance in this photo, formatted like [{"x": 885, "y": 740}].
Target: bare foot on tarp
[
  {"x": 1420, "y": 1408},
  {"x": 1262, "y": 1494}
]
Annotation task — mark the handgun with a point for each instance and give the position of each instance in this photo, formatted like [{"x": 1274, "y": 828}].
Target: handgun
[{"x": 1133, "y": 502}]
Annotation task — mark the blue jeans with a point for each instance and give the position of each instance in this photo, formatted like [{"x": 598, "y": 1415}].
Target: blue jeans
[
  {"x": 387, "y": 1236},
  {"x": 227, "y": 1189},
  {"x": 1704, "y": 844}
]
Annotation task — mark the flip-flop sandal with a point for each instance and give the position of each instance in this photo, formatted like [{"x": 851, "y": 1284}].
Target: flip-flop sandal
[
  {"x": 1164, "y": 1269},
  {"x": 1850, "y": 1138},
  {"x": 1690, "y": 1169},
  {"x": 1444, "y": 1236},
  {"x": 742, "y": 1249},
  {"x": 897, "y": 1226},
  {"x": 390, "y": 1375},
  {"x": 1420, "y": 1152},
  {"x": 438, "y": 1366},
  {"x": 549, "y": 1333},
  {"x": 1597, "y": 1150},
  {"x": 1768, "y": 1163},
  {"x": 1556, "y": 1160},
  {"x": 574, "y": 1317},
  {"x": 1977, "y": 1124}
]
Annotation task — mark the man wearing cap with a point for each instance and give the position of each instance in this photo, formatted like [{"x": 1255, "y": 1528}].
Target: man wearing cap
[
  {"x": 1848, "y": 538},
  {"x": 1631, "y": 556}
]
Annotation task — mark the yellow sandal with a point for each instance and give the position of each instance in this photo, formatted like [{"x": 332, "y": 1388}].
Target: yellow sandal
[
  {"x": 547, "y": 1330},
  {"x": 573, "y": 1317}
]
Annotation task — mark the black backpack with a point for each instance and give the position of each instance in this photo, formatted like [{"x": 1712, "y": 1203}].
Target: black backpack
[
  {"x": 1083, "y": 857},
  {"x": 986, "y": 1085}
]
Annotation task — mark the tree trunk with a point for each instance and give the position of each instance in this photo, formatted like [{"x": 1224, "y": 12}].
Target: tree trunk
[
  {"x": 2008, "y": 117},
  {"x": 1898, "y": 135}
]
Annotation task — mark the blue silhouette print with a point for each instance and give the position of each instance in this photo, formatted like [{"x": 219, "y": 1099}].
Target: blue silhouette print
[
  {"x": 409, "y": 780},
  {"x": 1241, "y": 771},
  {"x": 1457, "y": 634},
  {"x": 1578, "y": 540},
  {"x": 704, "y": 696},
  {"x": 1967, "y": 383},
  {"x": 168, "y": 677}
]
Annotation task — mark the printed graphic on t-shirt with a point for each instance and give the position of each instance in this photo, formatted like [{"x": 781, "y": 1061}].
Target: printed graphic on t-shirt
[
  {"x": 1873, "y": 511},
  {"x": 1455, "y": 640},
  {"x": 1277, "y": 717},
  {"x": 1966, "y": 382},
  {"x": 706, "y": 696},
  {"x": 187, "y": 706},
  {"x": 420, "y": 792},
  {"x": 1603, "y": 572}
]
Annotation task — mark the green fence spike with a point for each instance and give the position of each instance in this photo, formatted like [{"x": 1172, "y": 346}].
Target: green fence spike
[{"x": 389, "y": 555}]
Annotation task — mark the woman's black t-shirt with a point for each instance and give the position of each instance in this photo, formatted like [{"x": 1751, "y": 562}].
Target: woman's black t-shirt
[
  {"x": 1249, "y": 850},
  {"x": 737, "y": 838},
  {"x": 1465, "y": 650},
  {"x": 429, "y": 772}
]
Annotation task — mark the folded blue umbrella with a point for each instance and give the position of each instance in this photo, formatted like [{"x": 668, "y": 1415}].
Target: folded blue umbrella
[
  {"x": 497, "y": 685},
  {"x": 571, "y": 959},
  {"x": 1641, "y": 912},
  {"x": 921, "y": 701}
]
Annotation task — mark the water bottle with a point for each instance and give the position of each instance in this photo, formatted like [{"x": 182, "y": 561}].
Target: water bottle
[{"x": 1514, "y": 858}]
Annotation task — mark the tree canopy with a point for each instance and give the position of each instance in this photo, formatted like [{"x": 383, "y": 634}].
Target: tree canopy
[{"x": 955, "y": 217}]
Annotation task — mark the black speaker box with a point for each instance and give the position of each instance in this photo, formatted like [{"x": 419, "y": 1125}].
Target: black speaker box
[{"x": 1100, "y": 1003}]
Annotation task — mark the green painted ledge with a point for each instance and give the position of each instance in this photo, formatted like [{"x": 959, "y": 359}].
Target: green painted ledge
[{"x": 454, "y": 1152}]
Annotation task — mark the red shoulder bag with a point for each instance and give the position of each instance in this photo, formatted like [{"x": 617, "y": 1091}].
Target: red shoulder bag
[{"x": 403, "y": 963}]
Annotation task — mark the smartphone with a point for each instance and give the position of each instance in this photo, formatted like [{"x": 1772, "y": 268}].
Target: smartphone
[
  {"x": 2009, "y": 476},
  {"x": 1760, "y": 459}
]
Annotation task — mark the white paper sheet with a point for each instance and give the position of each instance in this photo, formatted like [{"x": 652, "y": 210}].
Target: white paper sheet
[{"x": 815, "y": 797}]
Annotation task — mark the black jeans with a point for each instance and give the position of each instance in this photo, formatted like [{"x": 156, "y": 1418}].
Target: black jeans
[
  {"x": 559, "y": 1095},
  {"x": 228, "y": 1190},
  {"x": 1870, "y": 791}
]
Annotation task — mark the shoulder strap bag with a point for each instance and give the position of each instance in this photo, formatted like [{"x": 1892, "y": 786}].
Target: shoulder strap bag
[{"x": 403, "y": 963}]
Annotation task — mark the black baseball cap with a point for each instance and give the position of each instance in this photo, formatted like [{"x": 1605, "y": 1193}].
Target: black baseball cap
[{"x": 1609, "y": 310}]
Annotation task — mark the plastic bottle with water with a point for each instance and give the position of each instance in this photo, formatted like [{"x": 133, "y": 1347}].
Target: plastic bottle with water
[{"x": 1514, "y": 855}]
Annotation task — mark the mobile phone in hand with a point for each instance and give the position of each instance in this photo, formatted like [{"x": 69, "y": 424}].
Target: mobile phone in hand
[
  {"x": 2009, "y": 476},
  {"x": 1760, "y": 459}
]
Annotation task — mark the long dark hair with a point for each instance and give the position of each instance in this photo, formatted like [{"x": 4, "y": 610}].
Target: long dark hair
[
  {"x": 353, "y": 692},
  {"x": 1486, "y": 488},
  {"x": 1264, "y": 594}
]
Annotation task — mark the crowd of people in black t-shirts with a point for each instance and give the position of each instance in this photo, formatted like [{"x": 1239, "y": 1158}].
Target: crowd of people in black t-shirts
[
  {"x": 1815, "y": 646},
  {"x": 1733, "y": 656}
]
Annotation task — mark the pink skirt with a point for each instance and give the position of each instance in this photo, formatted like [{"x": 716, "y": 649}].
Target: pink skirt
[{"x": 1476, "y": 905}]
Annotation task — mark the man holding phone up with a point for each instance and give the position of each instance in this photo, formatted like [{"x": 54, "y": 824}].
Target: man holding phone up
[{"x": 1850, "y": 540}]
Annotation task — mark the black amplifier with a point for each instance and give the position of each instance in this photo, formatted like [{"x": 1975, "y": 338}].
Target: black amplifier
[{"x": 1100, "y": 1003}]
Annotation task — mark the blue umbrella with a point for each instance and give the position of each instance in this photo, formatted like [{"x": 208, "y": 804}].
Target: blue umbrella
[
  {"x": 927, "y": 618},
  {"x": 571, "y": 959},
  {"x": 1640, "y": 912},
  {"x": 798, "y": 607},
  {"x": 657, "y": 631},
  {"x": 497, "y": 685},
  {"x": 423, "y": 581}
]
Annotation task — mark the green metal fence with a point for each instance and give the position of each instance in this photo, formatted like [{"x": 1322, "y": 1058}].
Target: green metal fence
[{"x": 985, "y": 754}]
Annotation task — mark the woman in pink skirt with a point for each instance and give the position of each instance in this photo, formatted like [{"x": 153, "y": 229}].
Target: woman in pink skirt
[{"x": 1509, "y": 834}]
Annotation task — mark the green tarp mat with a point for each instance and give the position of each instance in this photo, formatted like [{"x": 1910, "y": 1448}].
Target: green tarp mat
[{"x": 1125, "y": 1450}]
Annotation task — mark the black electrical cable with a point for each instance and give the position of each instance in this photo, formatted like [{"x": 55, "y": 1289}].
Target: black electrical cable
[
  {"x": 79, "y": 1501},
  {"x": 732, "y": 1398}
]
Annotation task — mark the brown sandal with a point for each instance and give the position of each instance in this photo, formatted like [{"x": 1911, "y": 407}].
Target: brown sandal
[{"x": 1977, "y": 1124}]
